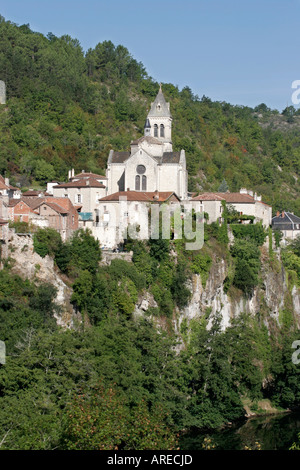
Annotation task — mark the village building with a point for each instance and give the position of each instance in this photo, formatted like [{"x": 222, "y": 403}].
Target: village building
[
  {"x": 288, "y": 223},
  {"x": 127, "y": 213},
  {"x": 84, "y": 191},
  {"x": 7, "y": 190},
  {"x": 244, "y": 202},
  {"x": 57, "y": 213}
]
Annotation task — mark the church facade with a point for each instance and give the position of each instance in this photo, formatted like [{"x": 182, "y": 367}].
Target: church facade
[{"x": 151, "y": 165}]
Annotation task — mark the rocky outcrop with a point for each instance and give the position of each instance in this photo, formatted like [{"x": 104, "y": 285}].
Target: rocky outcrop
[
  {"x": 29, "y": 265},
  {"x": 210, "y": 299}
]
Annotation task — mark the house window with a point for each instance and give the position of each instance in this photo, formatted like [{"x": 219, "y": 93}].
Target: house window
[
  {"x": 78, "y": 198},
  {"x": 155, "y": 130},
  {"x": 162, "y": 130},
  {"x": 137, "y": 183},
  {"x": 144, "y": 183}
]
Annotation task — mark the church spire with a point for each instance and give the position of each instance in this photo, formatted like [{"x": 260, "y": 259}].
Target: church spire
[{"x": 160, "y": 108}]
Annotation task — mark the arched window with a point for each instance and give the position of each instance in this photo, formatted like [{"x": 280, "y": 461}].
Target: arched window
[
  {"x": 144, "y": 183},
  {"x": 155, "y": 130},
  {"x": 162, "y": 130},
  {"x": 137, "y": 182}
]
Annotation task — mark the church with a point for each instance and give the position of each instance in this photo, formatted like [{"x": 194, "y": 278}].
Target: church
[
  {"x": 151, "y": 165},
  {"x": 150, "y": 173}
]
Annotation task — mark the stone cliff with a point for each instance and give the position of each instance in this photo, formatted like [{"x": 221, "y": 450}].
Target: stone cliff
[{"x": 29, "y": 265}]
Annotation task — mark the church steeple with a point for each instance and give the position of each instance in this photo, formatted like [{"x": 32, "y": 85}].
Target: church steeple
[
  {"x": 160, "y": 108},
  {"x": 159, "y": 121}
]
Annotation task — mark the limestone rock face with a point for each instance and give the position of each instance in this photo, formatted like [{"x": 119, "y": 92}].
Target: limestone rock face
[
  {"x": 29, "y": 265},
  {"x": 211, "y": 298}
]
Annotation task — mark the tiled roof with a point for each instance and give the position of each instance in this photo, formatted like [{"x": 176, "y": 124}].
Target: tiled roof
[
  {"x": 159, "y": 196},
  {"x": 89, "y": 175},
  {"x": 81, "y": 183},
  {"x": 55, "y": 207},
  {"x": 286, "y": 221},
  {"x": 31, "y": 193},
  {"x": 147, "y": 138},
  {"x": 208, "y": 197},
  {"x": 119, "y": 157},
  {"x": 237, "y": 198}
]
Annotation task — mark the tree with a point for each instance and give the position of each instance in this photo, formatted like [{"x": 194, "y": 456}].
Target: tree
[{"x": 46, "y": 241}]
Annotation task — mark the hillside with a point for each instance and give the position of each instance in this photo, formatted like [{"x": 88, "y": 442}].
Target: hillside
[{"x": 66, "y": 108}]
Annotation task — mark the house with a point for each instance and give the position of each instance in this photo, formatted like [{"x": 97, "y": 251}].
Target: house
[
  {"x": 7, "y": 190},
  {"x": 244, "y": 202},
  {"x": 84, "y": 191},
  {"x": 20, "y": 209},
  {"x": 128, "y": 211},
  {"x": 287, "y": 223},
  {"x": 57, "y": 213}
]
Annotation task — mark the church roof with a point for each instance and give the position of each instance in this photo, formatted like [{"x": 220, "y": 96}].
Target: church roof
[
  {"x": 159, "y": 108},
  {"x": 170, "y": 157},
  {"x": 147, "y": 138},
  {"x": 119, "y": 157}
]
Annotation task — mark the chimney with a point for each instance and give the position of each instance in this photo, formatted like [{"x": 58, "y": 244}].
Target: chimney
[
  {"x": 282, "y": 214},
  {"x": 277, "y": 214},
  {"x": 69, "y": 174},
  {"x": 73, "y": 173}
]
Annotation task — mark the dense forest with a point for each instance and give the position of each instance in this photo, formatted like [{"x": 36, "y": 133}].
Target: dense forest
[
  {"x": 116, "y": 381},
  {"x": 66, "y": 108}
]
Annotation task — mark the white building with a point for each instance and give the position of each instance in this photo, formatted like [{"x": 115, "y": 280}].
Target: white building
[
  {"x": 151, "y": 165},
  {"x": 244, "y": 202}
]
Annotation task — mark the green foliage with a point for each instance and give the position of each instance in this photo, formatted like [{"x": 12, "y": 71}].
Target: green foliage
[
  {"x": 100, "y": 420},
  {"x": 45, "y": 241},
  {"x": 247, "y": 264},
  {"x": 201, "y": 265},
  {"x": 255, "y": 232},
  {"x": 20, "y": 227}
]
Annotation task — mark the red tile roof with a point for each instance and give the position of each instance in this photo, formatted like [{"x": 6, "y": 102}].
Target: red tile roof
[
  {"x": 89, "y": 175},
  {"x": 81, "y": 183},
  {"x": 159, "y": 196},
  {"x": 238, "y": 198}
]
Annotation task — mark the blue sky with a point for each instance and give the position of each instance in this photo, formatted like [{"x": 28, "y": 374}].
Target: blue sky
[{"x": 241, "y": 51}]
